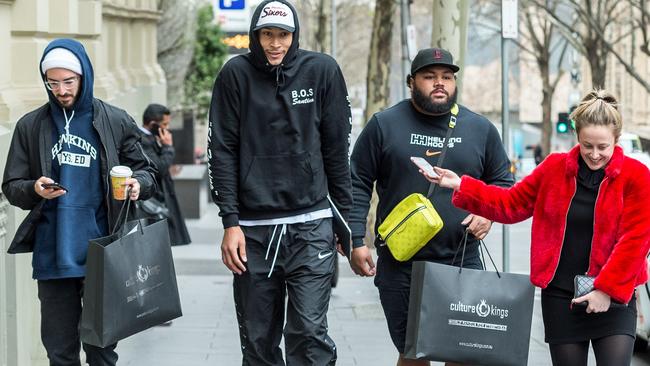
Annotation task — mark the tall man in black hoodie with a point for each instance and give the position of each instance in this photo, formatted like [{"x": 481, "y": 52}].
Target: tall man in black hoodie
[
  {"x": 278, "y": 144},
  {"x": 74, "y": 139},
  {"x": 417, "y": 127}
]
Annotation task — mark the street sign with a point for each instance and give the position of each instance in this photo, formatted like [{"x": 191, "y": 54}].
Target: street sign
[
  {"x": 509, "y": 28},
  {"x": 232, "y": 4},
  {"x": 233, "y": 15}
]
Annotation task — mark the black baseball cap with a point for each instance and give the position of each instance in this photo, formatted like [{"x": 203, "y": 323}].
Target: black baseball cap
[{"x": 432, "y": 57}]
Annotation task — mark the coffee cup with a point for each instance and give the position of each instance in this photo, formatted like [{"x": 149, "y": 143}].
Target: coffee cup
[{"x": 119, "y": 174}]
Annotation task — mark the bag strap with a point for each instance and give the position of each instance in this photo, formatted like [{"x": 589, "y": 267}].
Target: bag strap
[
  {"x": 450, "y": 130},
  {"x": 127, "y": 204},
  {"x": 463, "y": 243},
  {"x": 481, "y": 245}
]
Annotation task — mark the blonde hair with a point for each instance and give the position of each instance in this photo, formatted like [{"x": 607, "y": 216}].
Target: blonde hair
[{"x": 598, "y": 108}]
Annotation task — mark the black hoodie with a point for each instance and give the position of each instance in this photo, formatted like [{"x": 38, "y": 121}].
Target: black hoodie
[{"x": 279, "y": 135}]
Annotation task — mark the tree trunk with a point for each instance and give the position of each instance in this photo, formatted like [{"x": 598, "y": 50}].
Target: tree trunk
[
  {"x": 177, "y": 25},
  {"x": 321, "y": 32},
  {"x": 450, "y": 22},
  {"x": 547, "y": 120},
  {"x": 377, "y": 83},
  {"x": 538, "y": 40},
  {"x": 598, "y": 65},
  {"x": 596, "y": 54},
  {"x": 378, "y": 88},
  {"x": 543, "y": 63}
]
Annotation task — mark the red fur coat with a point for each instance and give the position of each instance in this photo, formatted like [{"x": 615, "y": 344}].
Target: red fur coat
[{"x": 621, "y": 236}]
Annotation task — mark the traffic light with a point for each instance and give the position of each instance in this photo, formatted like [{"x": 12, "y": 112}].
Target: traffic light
[
  {"x": 562, "y": 125},
  {"x": 573, "y": 123}
]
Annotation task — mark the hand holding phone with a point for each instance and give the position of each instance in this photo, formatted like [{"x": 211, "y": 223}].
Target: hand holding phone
[
  {"x": 155, "y": 128},
  {"x": 55, "y": 186},
  {"x": 424, "y": 166}
]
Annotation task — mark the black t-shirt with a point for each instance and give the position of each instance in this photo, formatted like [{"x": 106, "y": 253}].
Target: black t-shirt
[{"x": 382, "y": 154}]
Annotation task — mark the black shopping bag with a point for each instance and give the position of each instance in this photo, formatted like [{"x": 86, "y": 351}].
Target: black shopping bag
[
  {"x": 130, "y": 283},
  {"x": 468, "y": 316}
]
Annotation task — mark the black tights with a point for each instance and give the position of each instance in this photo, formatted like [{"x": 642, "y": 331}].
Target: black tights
[{"x": 613, "y": 350}]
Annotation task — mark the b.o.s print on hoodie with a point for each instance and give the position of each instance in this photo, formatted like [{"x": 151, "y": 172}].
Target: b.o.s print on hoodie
[{"x": 279, "y": 134}]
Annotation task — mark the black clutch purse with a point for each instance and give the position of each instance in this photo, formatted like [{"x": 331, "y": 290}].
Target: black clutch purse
[{"x": 582, "y": 285}]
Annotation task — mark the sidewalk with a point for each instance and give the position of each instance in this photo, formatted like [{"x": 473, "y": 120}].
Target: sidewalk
[{"x": 207, "y": 333}]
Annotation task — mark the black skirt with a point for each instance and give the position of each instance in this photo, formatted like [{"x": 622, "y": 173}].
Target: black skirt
[{"x": 565, "y": 325}]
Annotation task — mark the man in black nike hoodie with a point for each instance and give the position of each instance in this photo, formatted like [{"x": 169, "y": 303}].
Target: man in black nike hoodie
[
  {"x": 419, "y": 127},
  {"x": 277, "y": 146}
]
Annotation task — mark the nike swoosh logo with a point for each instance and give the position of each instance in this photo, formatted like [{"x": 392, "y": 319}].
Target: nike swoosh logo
[
  {"x": 432, "y": 153},
  {"x": 323, "y": 256}
]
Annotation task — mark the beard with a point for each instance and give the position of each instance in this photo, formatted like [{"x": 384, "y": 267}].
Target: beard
[
  {"x": 66, "y": 100},
  {"x": 425, "y": 103}
]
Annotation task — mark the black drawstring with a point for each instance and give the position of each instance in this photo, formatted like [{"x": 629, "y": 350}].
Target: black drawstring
[{"x": 279, "y": 77}]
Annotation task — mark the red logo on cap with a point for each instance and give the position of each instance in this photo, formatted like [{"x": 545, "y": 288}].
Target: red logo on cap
[{"x": 437, "y": 54}]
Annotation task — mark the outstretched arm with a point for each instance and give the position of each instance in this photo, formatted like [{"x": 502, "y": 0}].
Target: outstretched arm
[{"x": 505, "y": 205}]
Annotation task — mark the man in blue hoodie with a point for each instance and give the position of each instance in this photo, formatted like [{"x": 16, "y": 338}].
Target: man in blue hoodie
[
  {"x": 278, "y": 145},
  {"x": 73, "y": 140}
]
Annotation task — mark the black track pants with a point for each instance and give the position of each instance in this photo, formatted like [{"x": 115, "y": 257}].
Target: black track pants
[{"x": 302, "y": 272}]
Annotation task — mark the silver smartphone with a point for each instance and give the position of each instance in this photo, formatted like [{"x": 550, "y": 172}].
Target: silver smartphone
[{"x": 424, "y": 165}]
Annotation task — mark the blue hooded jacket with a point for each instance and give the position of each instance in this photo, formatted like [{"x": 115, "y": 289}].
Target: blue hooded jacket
[{"x": 68, "y": 222}]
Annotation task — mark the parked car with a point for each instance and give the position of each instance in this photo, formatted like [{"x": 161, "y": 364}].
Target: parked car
[
  {"x": 642, "y": 318},
  {"x": 631, "y": 145}
]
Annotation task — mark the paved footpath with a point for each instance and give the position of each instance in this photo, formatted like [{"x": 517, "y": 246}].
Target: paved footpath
[{"x": 207, "y": 334}]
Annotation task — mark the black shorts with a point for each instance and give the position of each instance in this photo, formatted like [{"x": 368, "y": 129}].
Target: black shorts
[{"x": 393, "y": 281}]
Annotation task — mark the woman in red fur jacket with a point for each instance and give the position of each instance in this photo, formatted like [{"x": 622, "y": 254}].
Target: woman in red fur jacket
[{"x": 590, "y": 209}]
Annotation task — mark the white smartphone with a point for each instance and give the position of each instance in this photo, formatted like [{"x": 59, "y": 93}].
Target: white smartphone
[{"x": 424, "y": 165}]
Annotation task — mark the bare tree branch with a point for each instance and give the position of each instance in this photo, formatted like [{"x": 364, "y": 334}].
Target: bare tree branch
[{"x": 629, "y": 68}]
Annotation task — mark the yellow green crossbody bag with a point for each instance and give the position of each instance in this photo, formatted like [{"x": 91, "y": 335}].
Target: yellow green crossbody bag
[
  {"x": 413, "y": 222},
  {"x": 410, "y": 226}
]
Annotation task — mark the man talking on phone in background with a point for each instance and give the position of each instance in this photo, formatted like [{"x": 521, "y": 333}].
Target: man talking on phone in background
[
  {"x": 74, "y": 139},
  {"x": 417, "y": 127},
  {"x": 158, "y": 144},
  {"x": 278, "y": 144}
]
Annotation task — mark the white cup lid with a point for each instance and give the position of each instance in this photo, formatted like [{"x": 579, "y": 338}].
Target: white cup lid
[{"x": 121, "y": 171}]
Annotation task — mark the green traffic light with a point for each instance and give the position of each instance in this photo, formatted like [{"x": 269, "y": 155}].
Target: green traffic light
[{"x": 562, "y": 127}]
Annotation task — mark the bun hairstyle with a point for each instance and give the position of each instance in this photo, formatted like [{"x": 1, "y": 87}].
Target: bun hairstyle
[{"x": 598, "y": 108}]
